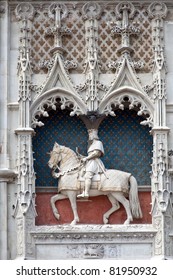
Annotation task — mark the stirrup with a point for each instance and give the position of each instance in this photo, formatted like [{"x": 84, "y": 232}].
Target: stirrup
[{"x": 83, "y": 195}]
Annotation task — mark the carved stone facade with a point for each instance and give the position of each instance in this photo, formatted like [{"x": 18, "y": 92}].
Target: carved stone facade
[{"x": 90, "y": 58}]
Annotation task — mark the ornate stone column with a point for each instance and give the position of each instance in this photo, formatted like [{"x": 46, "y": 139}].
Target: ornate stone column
[
  {"x": 161, "y": 189},
  {"x": 24, "y": 209},
  {"x": 91, "y": 13}
]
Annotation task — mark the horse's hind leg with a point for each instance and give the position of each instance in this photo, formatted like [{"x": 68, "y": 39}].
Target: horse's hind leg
[
  {"x": 120, "y": 197},
  {"x": 72, "y": 198},
  {"x": 53, "y": 201},
  {"x": 115, "y": 207}
]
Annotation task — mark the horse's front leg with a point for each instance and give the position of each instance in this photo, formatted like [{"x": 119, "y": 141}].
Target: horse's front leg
[
  {"x": 72, "y": 197},
  {"x": 53, "y": 201}
]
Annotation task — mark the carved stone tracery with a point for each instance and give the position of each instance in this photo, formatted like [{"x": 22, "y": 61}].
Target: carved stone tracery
[
  {"x": 92, "y": 88},
  {"x": 124, "y": 41}
]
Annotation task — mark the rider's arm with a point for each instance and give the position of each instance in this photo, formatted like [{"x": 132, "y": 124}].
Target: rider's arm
[{"x": 93, "y": 154}]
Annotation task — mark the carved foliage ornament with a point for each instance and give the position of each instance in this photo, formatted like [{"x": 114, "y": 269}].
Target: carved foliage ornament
[
  {"x": 157, "y": 10},
  {"x": 52, "y": 12},
  {"x": 91, "y": 11},
  {"x": 122, "y": 7},
  {"x": 24, "y": 11}
]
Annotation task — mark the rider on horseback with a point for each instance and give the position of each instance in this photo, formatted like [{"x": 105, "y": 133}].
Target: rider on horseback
[{"x": 93, "y": 163}]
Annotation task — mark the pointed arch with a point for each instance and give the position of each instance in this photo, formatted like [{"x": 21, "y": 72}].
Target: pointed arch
[
  {"x": 49, "y": 100},
  {"x": 135, "y": 98}
]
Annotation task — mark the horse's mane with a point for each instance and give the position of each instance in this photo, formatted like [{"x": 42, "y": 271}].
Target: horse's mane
[{"x": 70, "y": 151}]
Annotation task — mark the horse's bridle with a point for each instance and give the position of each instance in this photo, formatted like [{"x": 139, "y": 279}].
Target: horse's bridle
[
  {"x": 59, "y": 154},
  {"x": 57, "y": 175}
]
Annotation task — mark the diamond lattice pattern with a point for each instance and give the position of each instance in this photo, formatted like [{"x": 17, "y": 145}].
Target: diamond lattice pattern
[{"x": 75, "y": 44}]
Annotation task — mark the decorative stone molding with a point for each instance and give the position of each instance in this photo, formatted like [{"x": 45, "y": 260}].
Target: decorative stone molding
[{"x": 94, "y": 241}]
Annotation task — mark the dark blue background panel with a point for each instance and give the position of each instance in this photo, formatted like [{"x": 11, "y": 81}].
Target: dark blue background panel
[
  {"x": 127, "y": 144},
  {"x": 61, "y": 128}
]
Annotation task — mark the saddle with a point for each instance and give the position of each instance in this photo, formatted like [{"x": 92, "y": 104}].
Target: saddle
[{"x": 96, "y": 178}]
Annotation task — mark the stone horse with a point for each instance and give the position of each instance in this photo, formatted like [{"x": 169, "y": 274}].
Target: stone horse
[{"x": 115, "y": 184}]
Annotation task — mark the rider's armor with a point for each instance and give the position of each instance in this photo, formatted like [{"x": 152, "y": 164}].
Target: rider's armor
[{"x": 95, "y": 165}]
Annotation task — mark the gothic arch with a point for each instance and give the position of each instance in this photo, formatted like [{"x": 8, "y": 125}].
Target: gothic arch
[
  {"x": 135, "y": 97},
  {"x": 48, "y": 100}
]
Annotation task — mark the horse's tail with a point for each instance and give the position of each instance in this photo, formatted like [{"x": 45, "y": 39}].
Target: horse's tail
[{"x": 134, "y": 199}]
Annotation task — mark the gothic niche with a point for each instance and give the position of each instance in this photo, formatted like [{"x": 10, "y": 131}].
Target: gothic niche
[{"x": 124, "y": 139}]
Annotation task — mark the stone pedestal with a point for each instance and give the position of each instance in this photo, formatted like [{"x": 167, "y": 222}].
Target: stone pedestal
[{"x": 94, "y": 242}]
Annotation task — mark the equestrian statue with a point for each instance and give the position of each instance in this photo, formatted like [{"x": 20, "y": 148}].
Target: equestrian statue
[{"x": 81, "y": 177}]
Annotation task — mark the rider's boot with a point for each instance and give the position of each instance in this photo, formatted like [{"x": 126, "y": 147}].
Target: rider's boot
[
  {"x": 87, "y": 187},
  {"x": 85, "y": 193}
]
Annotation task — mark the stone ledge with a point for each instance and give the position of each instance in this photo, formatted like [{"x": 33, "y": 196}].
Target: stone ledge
[
  {"x": 93, "y": 228},
  {"x": 7, "y": 175}
]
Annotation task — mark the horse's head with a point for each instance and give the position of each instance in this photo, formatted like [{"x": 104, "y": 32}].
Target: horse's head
[{"x": 55, "y": 156}]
